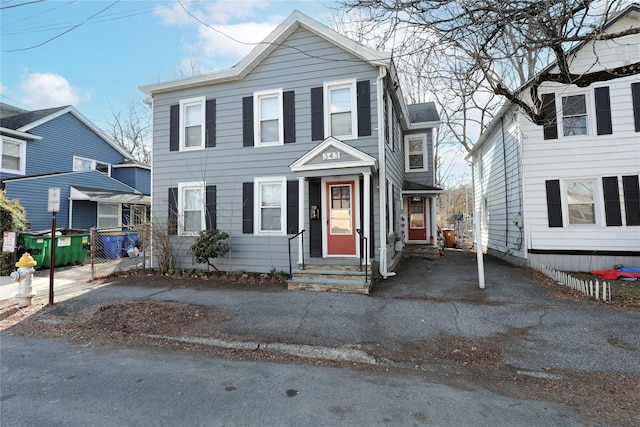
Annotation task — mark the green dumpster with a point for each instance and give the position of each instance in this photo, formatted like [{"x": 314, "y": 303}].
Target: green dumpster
[
  {"x": 76, "y": 244},
  {"x": 72, "y": 247}
]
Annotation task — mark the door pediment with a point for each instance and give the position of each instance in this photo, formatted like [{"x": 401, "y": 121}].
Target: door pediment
[{"x": 334, "y": 154}]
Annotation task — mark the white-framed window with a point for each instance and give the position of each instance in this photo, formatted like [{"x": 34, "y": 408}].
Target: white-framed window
[
  {"x": 269, "y": 124},
  {"x": 192, "y": 123},
  {"x": 191, "y": 208},
  {"x": 270, "y": 205},
  {"x": 574, "y": 115},
  {"x": 581, "y": 197},
  {"x": 84, "y": 164},
  {"x": 109, "y": 215},
  {"x": 13, "y": 154},
  {"x": 138, "y": 215},
  {"x": 415, "y": 153},
  {"x": 340, "y": 113}
]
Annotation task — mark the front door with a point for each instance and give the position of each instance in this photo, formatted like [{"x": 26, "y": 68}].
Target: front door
[
  {"x": 341, "y": 218},
  {"x": 417, "y": 219}
]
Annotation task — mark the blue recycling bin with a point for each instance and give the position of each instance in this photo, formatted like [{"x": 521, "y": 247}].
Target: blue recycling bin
[
  {"x": 130, "y": 241},
  {"x": 112, "y": 244}
]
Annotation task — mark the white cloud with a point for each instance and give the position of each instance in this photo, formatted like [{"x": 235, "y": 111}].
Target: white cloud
[
  {"x": 46, "y": 90},
  {"x": 213, "y": 43},
  {"x": 226, "y": 31}
]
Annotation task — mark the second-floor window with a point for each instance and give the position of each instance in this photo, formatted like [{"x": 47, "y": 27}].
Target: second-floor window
[
  {"x": 192, "y": 119},
  {"x": 341, "y": 120},
  {"x": 574, "y": 115},
  {"x": 13, "y": 156},
  {"x": 268, "y": 118},
  {"x": 415, "y": 152},
  {"x": 84, "y": 164}
]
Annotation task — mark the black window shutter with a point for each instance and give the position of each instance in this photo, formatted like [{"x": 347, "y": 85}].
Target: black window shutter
[
  {"x": 292, "y": 207},
  {"x": 603, "y": 111},
  {"x": 210, "y": 137},
  {"x": 550, "y": 119},
  {"x": 211, "y": 215},
  {"x": 174, "y": 128},
  {"x": 289, "y": 116},
  {"x": 247, "y": 121},
  {"x": 172, "y": 217},
  {"x": 317, "y": 114},
  {"x": 554, "y": 205},
  {"x": 611, "y": 201},
  {"x": 631, "y": 199},
  {"x": 635, "y": 96},
  {"x": 247, "y": 207},
  {"x": 364, "y": 108}
]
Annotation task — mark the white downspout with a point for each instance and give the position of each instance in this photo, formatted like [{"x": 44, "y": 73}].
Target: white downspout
[{"x": 382, "y": 176}]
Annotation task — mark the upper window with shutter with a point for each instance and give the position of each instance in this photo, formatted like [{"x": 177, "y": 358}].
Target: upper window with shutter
[
  {"x": 192, "y": 124},
  {"x": 574, "y": 115},
  {"x": 268, "y": 123},
  {"x": 341, "y": 118}
]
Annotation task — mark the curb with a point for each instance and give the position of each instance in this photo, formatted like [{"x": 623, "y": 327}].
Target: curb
[{"x": 308, "y": 351}]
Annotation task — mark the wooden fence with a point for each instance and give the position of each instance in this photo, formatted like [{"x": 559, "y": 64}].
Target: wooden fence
[{"x": 595, "y": 289}]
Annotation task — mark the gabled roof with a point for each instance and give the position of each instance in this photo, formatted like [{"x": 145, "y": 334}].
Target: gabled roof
[
  {"x": 345, "y": 157},
  {"x": 274, "y": 40},
  {"x": 23, "y": 121},
  {"x": 16, "y": 118}
]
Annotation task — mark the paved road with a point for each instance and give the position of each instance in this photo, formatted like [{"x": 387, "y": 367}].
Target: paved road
[
  {"x": 52, "y": 384},
  {"x": 427, "y": 299}
]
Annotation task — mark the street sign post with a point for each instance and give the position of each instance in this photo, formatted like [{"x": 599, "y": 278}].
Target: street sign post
[{"x": 53, "y": 207}]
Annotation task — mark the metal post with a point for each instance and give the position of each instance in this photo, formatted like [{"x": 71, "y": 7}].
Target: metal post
[{"x": 53, "y": 255}]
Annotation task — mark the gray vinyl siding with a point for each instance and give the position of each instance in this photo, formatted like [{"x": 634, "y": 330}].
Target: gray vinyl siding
[
  {"x": 300, "y": 64},
  {"x": 33, "y": 194},
  {"x": 62, "y": 138},
  {"x": 423, "y": 177}
]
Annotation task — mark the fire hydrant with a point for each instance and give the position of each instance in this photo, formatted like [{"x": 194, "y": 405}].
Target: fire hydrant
[{"x": 24, "y": 277}]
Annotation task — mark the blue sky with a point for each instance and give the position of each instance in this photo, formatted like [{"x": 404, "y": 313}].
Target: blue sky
[{"x": 95, "y": 54}]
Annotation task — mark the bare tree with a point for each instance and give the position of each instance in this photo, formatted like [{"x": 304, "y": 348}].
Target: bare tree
[
  {"x": 131, "y": 129},
  {"x": 490, "y": 36}
]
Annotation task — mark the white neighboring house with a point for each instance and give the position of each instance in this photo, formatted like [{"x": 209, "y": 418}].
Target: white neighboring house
[{"x": 566, "y": 194}]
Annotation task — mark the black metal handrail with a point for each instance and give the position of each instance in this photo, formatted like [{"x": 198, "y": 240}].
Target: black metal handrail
[
  {"x": 364, "y": 244},
  {"x": 301, "y": 234}
]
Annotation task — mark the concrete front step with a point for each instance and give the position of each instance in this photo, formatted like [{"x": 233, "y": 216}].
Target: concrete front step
[{"x": 325, "y": 284}]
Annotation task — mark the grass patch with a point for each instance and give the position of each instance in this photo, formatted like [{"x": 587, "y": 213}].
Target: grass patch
[{"x": 623, "y": 292}]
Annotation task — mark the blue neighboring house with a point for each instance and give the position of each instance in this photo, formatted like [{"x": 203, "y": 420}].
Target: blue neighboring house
[{"x": 101, "y": 185}]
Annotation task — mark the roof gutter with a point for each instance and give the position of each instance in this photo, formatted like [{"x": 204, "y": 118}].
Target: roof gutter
[{"x": 382, "y": 176}]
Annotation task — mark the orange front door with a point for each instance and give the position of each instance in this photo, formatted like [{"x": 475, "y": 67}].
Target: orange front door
[
  {"x": 341, "y": 221},
  {"x": 417, "y": 219}
]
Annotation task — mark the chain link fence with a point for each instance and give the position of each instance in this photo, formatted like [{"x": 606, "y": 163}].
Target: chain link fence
[{"x": 117, "y": 249}]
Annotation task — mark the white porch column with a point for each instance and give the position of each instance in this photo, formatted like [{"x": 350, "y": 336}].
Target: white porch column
[
  {"x": 301, "y": 216},
  {"x": 434, "y": 226},
  {"x": 366, "y": 213}
]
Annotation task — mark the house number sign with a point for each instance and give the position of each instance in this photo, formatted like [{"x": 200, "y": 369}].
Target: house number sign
[{"x": 331, "y": 155}]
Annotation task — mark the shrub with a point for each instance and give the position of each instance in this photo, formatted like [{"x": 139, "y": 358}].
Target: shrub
[
  {"x": 208, "y": 246},
  {"x": 12, "y": 218}
]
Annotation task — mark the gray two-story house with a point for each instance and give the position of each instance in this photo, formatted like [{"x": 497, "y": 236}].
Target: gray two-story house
[{"x": 306, "y": 143}]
